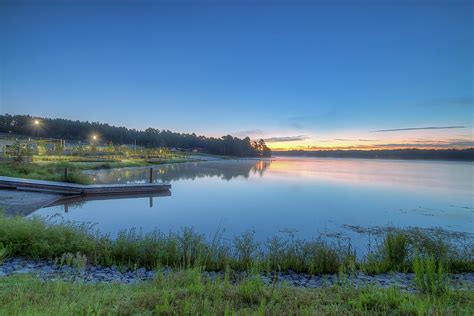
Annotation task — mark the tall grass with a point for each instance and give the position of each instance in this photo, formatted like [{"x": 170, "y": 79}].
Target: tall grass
[
  {"x": 49, "y": 239},
  {"x": 401, "y": 248},
  {"x": 4, "y": 251}
]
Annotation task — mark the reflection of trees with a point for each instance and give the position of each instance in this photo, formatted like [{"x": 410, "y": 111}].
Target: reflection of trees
[{"x": 225, "y": 170}]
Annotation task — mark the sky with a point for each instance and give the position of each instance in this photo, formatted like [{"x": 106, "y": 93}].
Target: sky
[{"x": 299, "y": 74}]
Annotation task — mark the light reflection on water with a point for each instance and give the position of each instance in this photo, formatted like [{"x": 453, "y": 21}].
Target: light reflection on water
[{"x": 306, "y": 196}]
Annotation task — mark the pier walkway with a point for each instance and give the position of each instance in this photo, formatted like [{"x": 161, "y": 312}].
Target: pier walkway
[{"x": 64, "y": 188}]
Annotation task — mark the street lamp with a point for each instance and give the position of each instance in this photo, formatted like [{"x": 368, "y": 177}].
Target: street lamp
[
  {"x": 93, "y": 141},
  {"x": 37, "y": 123}
]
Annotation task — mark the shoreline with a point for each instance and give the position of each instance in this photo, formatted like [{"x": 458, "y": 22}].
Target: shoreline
[{"x": 91, "y": 274}]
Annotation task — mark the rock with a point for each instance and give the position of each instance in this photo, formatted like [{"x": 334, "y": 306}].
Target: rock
[
  {"x": 100, "y": 275},
  {"x": 300, "y": 283},
  {"x": 140, "y": 271},
  {"x": 266, "y": 280},
  {"x": 96, "y": 274},
  {"x": 22, "y": 271}
]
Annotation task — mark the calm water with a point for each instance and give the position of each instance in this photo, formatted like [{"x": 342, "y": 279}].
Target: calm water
[{"x": 305, "y": 196}]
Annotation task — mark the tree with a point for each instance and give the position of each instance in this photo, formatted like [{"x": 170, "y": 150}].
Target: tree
[{"x": 149, "y": 138}]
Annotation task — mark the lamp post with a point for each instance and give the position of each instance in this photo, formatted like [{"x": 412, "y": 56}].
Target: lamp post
[
  {"x": 94, "y": 138},
  {"x": 37, "y": 123}
]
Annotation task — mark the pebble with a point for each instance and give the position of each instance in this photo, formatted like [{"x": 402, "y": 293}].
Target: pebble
[{"x": 46, "y": 270}]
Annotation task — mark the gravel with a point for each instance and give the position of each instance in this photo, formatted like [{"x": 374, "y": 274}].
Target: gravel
[{"x": 47, "y": 270}]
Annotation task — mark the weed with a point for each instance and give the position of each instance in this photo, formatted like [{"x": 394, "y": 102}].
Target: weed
[{"x": 430, "y": 276}]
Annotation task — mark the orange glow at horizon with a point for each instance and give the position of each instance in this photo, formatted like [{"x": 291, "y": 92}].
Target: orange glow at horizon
[
  {"x": 358, "y": 147},
  {"x": 426, "y": 141}
]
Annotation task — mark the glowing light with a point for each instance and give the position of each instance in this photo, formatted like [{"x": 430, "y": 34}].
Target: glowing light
[
  {"x": 94, "y": 137},
  {"x": 37, "y": 122}
]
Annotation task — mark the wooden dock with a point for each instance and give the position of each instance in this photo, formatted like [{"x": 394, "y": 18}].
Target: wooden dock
[{"x": 80, "y": 189}]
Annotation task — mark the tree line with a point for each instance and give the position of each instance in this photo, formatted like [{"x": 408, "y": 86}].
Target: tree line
[{"x": 82, "y": 131}]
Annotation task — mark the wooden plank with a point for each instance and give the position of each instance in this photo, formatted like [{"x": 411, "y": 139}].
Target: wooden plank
[{"x": 79, "y": 189}]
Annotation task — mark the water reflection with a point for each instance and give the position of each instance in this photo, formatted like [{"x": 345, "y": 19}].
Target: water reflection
[
  {"x": 225, "y": 170},
  {"x": 304, "y": 197},
  {"x": 444, "y": 177},
  {"x": 78, "y": 201}
]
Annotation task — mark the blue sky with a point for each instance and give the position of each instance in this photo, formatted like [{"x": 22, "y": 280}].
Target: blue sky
[{"x": 310, "y": 74}]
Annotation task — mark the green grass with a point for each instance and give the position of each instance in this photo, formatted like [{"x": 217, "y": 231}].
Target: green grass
[
  {"x": 186, "y": 292},
  {"x": 401, "y": 248},
  {"x": 91, "y": 163},
  {"x": 50, "y": 172},
  {"x": 430, "y": 276},
  {"x": 54, "y": 170},
  {"x": 41, "y": 239}
]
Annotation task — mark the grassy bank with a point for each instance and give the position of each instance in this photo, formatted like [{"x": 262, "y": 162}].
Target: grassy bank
[
  {"x": 53, "y": 170},
  {"x": 397, "y": 251},
  {"x": 186, "y": 292},
  {"x": 91, "y": 163},
  {"x": 50, "y": 172}
]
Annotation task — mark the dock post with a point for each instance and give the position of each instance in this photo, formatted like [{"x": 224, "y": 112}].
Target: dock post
[
  {"x": 151, "y": 175},
  {"x": 65, "y": 173}
]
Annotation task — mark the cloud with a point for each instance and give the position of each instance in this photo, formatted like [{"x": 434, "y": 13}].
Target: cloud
[
  {"x": 417, "y": 128},
  {"x": 296, "y": 122},
  {"x": 455, "y": 143},
  {"x": 296, "y": 125},
  {"x": 355, "y": 140},
  {"x": 430, "y": 145},
  {"x": 249, "y": 132},
  {"x": 304, "y": 121},
  {"x": 285, "y": 139}
]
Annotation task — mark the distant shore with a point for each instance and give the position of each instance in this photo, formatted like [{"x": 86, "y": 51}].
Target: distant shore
[{"x": 401, "y": 154}]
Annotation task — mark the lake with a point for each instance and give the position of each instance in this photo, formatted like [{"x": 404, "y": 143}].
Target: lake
[{"x": 301, "y": 196}]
